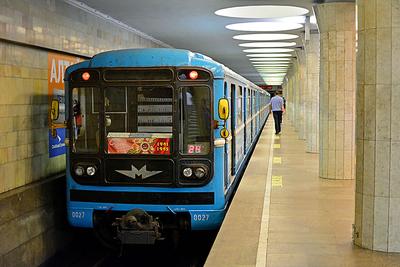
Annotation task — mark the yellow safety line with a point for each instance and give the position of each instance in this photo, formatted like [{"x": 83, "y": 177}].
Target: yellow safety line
[
  {"x": 277, "y": 180},
  {"x": 261, "y": 260},
  {"x": 277, "y": 145},
  {"x": 277, "y": 160}
]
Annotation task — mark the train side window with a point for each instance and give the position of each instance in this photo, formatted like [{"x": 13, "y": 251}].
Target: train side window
[
  {"x": 248, "y": 115},
  {"x": 239, "y": 107}
]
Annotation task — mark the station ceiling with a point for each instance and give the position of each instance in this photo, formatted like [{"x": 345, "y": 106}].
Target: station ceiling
[{"x": 193, "y": 25}]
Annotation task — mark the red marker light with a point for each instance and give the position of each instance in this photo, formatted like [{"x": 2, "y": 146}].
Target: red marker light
[
  {"x": 85, "y": 76},
  {"x": 193, "y": 75}
]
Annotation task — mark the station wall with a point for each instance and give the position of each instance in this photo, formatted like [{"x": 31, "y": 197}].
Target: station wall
[{"x": 29, "y": 32}]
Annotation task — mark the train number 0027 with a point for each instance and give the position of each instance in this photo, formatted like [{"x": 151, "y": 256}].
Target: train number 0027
[
  {"x": 201, "y": 217},
  {"x": 78, "y": 214}
]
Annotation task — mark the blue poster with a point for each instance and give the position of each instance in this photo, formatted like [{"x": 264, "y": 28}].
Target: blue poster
[{"x": 56, "y": 144}]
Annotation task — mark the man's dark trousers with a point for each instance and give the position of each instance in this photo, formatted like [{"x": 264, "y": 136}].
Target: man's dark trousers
[{"x": 278, "y": 120}]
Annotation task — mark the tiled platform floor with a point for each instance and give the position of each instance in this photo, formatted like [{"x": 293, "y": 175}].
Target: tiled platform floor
[{"x": 311, "y": 218}]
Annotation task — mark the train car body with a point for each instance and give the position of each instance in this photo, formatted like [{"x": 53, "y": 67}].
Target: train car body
[{"x": 145, "y": 140}]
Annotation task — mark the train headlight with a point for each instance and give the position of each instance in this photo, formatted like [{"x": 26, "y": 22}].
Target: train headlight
[
  {"x": 187, "y": 172},
  {"x": 200, "y": 172},
  {"x": 79, "y": 170},
  {"x": 91, "y": 170}
]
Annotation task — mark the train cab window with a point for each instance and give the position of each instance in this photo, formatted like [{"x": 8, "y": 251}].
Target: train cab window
[
  {"x": 85, "y": 123},
  {"x": 195, "y": 120},
  {"x": 138, "y": 120}
]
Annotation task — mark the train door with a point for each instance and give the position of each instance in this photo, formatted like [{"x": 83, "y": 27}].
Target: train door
[
  {"x": 228, "y": 145},
  {"x": 247, "y": 119},
  {"x": 233, "y": 127},
  {"x": 251, "y": 114},
  {"x": 244, "y": 118}
]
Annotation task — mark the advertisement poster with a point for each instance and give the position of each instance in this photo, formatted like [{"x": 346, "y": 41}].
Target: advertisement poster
[
  {"x": 57, "y": 64},
  {"x": 121, "y": 143}
]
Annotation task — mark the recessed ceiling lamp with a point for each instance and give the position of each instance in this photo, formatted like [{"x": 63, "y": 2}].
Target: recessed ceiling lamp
[
  {"x": 268, "y": 50},
  {"x": 273, "y": 83},
  {"x": 268, "y": 44},
  {"x": 274, "y": 75},
  {"x": 273, "y": 80},
  {"x": 271, "y": 64},
  {"x": 271, "y": 67},
  {"x": 261, "y": 11},
  {"x": 266, "y": 60},
  {"x": 270, "y": 55},
  {"x": 265, "y": 37},
  {"x": 264, "y": 26},
  {"x": 271, "y": 70},
  {"x": 266, "y": 73}
]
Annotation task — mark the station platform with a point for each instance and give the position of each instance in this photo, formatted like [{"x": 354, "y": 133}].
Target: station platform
[{"x": 284, "y": 215}]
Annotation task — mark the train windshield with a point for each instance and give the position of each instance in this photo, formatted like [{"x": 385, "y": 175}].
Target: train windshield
[
  {"x": 138, "y": 119},
  {"x": 195, "y": 132}
]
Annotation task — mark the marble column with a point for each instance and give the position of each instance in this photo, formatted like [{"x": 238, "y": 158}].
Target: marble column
[
  {"x": 312, "y": 94},
  {"x": 302, "y": 87},
  {"x": 377, "y": 220},
  {"x": 293, "y": 107},
  {"x": 336, "y": 22},
  {"x": 296, "y": 89}
]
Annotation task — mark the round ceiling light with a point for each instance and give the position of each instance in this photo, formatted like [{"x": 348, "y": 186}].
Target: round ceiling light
[
  {"x": 271, "y": 66},
  {"x": 274, "y": 74},
  {"x": 268, "y": 50},
  {"x": 267, "y": 69},
  {"x": 274, "y": 79},
  {"x": 268, "y": 44},
  {"x": 264, "y": 26},
  {"x": 266, "y": 60},
  {"x": 273, "y": 83},
  {"x": 269, "y": 55},
  {"x": 261, "y": 11},
  {"x": 265, "y": 37}
]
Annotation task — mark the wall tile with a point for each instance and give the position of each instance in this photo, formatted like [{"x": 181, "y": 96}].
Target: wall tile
[
  {"x": 394, "y": 224},
  {"x": 395, "y": 170},
  {"x": 369, "y": 168},
  {"x": 382, "y": 168},
  {"x": 381, "y": 224},
  {"x": 384, "y": 56},
  {"x": 367, "y": 230}
]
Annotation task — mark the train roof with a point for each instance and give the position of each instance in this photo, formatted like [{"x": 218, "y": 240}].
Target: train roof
[{"x": 150, "y": 57}]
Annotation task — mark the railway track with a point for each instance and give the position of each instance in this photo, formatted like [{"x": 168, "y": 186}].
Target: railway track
[{"x": 191, "y": 251}]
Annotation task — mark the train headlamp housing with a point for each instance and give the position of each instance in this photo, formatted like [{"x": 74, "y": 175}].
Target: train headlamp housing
[
  {"x": 187, "y": 172},
  {"x": 91, "y": 170},
  {"x": 195, "y": 173},
  {"x": 79, "y": 170},
  {"x": 200, "y": 172},
  {"x": 86, "y": 171}
]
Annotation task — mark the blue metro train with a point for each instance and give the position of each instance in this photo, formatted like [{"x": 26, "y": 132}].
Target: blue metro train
[{"x": 158, "y": 139}]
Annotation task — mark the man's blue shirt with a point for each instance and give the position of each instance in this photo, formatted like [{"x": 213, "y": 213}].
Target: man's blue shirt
[{"x": 276, "y": 103}]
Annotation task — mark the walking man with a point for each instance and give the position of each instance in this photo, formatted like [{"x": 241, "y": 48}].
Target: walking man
[{"x": 277, "y": 109}]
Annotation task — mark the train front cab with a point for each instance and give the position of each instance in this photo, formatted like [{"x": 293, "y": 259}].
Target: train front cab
[{"x": 117, "y": 164}]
